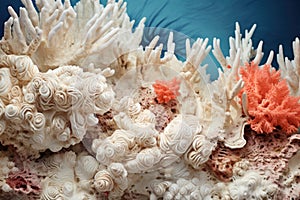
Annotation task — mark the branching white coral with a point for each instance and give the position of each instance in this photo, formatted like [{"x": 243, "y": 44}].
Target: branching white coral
[
  {"x": 241, "y": 50},
  {"x": 290, "y": 68},
  {"x": 226, "y": 108},
  {"x": 75, "y": 78},
  {"x": 225, "y": 103},
  {"x": 59, "y": 34}
]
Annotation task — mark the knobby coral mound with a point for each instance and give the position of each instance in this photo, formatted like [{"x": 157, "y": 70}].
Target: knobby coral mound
[
  {"x": 87, "y": 113},
  {"x": 269, "y": 101}
]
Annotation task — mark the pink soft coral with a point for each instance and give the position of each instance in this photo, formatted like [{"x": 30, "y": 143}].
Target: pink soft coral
[
  {"x": 166, "y": 90},
  {"x": 269, "y": 102}
]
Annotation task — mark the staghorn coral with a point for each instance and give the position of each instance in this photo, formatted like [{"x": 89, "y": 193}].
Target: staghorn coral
[
  {"x": 290, "y": 68},
  {"x": 269, "y": 105},
  {"x": 82, "y": 115},
  {"x": 68, "y": 35}
]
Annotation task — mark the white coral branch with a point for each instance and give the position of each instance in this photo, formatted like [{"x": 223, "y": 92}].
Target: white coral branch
[
  {"x": 241, "y": 45},
  {"x": 290, "y": 69}
]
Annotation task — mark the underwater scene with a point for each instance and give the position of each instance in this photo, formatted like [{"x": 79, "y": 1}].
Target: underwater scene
[{"x": 156, "y": 100}]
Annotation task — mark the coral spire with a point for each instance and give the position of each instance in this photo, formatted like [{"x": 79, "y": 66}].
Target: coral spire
[
  {"x": 166, "y": 90},
  {"x": 269, "y": 102}
]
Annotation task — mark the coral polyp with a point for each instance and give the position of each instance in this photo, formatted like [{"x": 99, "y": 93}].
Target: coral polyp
[{"x": 86, "y": 112}]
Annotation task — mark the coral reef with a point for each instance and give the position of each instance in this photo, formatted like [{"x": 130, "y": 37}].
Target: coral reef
[{"x": 87, "y": 113}]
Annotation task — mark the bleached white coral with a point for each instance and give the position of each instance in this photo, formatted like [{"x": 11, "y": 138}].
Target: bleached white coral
[
  {"x": 241, "y": 50},
  {"x": 63, "y": 170},
  {"x": 7, "y": 167},
  {"x": 251, "y": 186},
  {"x": 246, "y": 184},
  {"x": 290, "y": 68},
  {"x": 61, "y": 35},
  {"x": 50, "y": 110},
  {"x": 76, "y": 77}
]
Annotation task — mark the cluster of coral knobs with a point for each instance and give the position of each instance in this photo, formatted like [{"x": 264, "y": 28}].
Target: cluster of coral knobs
[{"x": 88, "y": 113}]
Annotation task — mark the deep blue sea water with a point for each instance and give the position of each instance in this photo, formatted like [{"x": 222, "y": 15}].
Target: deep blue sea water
[{"x": 278, "y": 22}]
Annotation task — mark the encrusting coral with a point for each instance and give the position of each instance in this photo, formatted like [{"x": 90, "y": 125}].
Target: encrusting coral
[{"x": 87, "y": 113}]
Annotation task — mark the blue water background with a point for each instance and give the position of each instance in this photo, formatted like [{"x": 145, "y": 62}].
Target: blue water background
[{"x": 278, "y": 22}]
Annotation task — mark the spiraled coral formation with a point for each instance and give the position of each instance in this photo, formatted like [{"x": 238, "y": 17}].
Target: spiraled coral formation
[
  {"x": 269, "y": 105},
  {"x": 87, "y": 113}
]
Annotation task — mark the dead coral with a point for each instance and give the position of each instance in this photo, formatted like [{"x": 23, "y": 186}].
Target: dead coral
[
  {"x": 221, "y": 162},
  {"x": 24, "y": 182}
]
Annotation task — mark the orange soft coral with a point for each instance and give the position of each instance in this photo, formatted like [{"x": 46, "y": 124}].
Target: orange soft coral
[
  {"x": 269, "y": 102},
  {"x": 166, "y": 90}
]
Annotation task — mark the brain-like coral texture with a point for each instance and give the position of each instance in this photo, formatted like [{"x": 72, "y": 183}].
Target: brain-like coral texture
[{"x": 86, "y": 112}]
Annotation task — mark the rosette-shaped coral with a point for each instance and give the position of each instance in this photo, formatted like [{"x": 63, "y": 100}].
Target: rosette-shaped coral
[
  {"x": 199, "y": 151},
  {"x": 85, "y": 169},
  {"x": 251, "y": 186},
  {"x": 112, "y": 180},
  {"x": 103, "y": 182},
  {"x": 179, "y": 134},
  {"x": 154, "y": 126},
  {"x": 269, "y": 105},
  {"x": 196, "y": 188},
  {"x": 50, "y": 110},
  {"x": 62, "y": 171}
]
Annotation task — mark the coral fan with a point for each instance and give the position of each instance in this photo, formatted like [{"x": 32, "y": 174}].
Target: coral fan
[
  {"x": 269, "y": 102},
  {"x": 166, "y": 90}
]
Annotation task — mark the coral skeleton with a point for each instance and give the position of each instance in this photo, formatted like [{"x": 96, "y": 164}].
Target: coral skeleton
[{"x": 86, "y": 112}]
